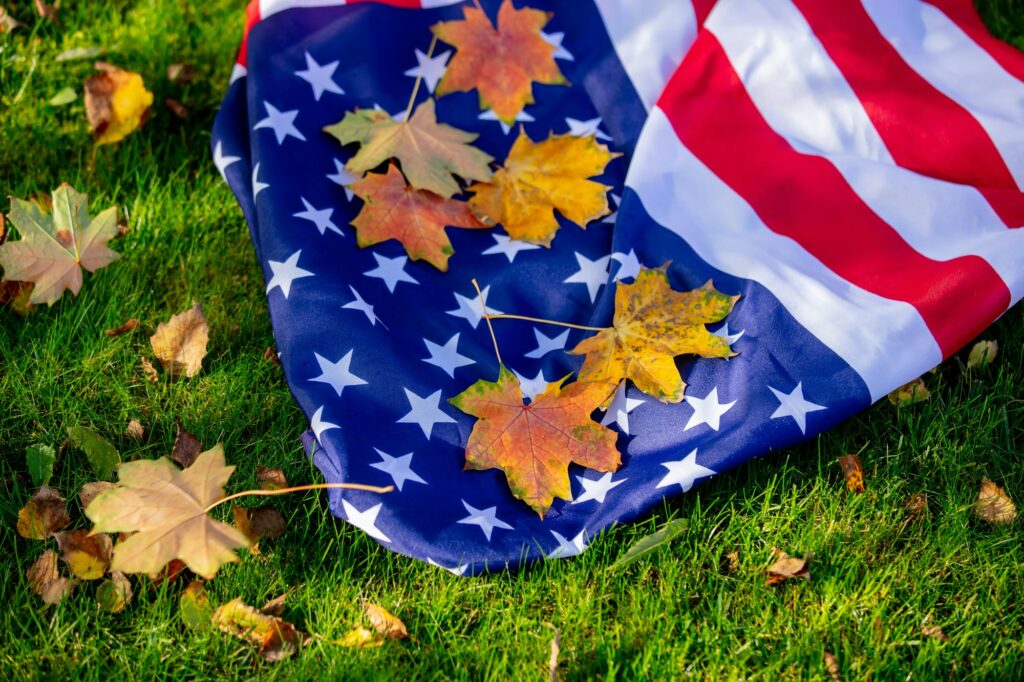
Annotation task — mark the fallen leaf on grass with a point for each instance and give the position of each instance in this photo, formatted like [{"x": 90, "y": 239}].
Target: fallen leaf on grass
[
  {"x": 181, "y": 73},
  {"x": 176, "y": 108},
  {"x": 114, "y": 593},
  {"x": 63, "y": 97},
  {"x": 135, "y": 431},
  {"x": 916, "y": 506},
  {"x": 76, "y": 53},
  {"x": 270, "y": 478},
  {"x": 275, "y": 606},
  {"x": 271, "y": 355},
  {"x": 786, "y": 567},
  {"x": 194, "y": 607},
  {"x": 148, "y": 370},
  {"x": 430, "y": 152},
  {"x": 174, "y": 569},
  {"x": 18, "y": 295},
  {"x": 385, "y": 622},
  {"x": 186, "y": 448},
  {"x": 55, "y": 246},
  {"x": 44, "y": 515},
  {"x": 650, "y": 543},
  {"x": 129, "y": 325},
  {"x": 912, "y": 392},
  {"x": 46, "y": 11},
  {"x": 166, "y": 509},
  {"x": 934, "y": 631},
  {"x": 100, "y": 452},
  {"x": 45, "y": 580},
  {"x": 360, "y": 638},
  {"x": 535, "y": 443},
  {"x": 556, "y": 648},
  {"x": 994, "y": 505},
  {"x": 415, "y": 218},
  {"x": 654, "y": 324},
  {"x": 276, "y": 638},
  {"x": 501, "y": 62},
  {"x": 87, "y": 556},
  {"x": 853, "y": 472},
  {"x": 180, "y": 343},
  {"x": 982, "y": 354},
  {"x": 40, "y": 458},
  {"x": 832, "y": 666},
  {"x": 730, "y": 563},
  {"x": 262, "y": 522},
  {"x": 7, "y": 22},
  {"x": 89, "y": 491},
  {"x": 539, "y": 178},
  {"x": 116, "y": 103}
]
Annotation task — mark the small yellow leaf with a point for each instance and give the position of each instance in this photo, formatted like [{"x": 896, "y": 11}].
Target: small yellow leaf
[
  {"x": 360, "y": 638},
  {"x": 853, "y": 472},
  {"x": 912, "y": 392},
  {"x": 982, "y": 354},
  {"x": 116, "y": 103},
  {"x": 180, "y": 343},
  {"x": 44, "y": 514},
  {"x": 994, "y": 505},
  {"x": 276, "y": 638},
  {"x": 385, "y": 622},
  {"x": 87, "y": 556}
]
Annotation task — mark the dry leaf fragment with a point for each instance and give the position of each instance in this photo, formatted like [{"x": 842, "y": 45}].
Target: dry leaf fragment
[
  {"x": 271, "y": 355},
  {"x": 166, "y": 509},
  {"x": 652, "y": 325},
  {"x": 194, "y": 606},
  {"x": 186, "y": 448},
  {"x": 730, "y": 563},
  {"x": 181, "y": 73},
  {"x": 555, "y": 651},
  {"x": 55, "y": 246},
  {"x": 982, "y": 354},
  {"x": 174, "y": 569},
  {"x": 45, "y": 580},
  {"x": 853, "y": 472},
  {"x": 86, "y": 555},
  {"x": 384, "y": 622},
  {"x": 277, "y": 639},
  {"x": 909, "y": 393},
  {"x": 916, "y": 506},
  {"x": 832, "y": 666},
  {"x": 261, "y": 522},
  {"x": 176, "y": 108},
  {"x": 501, "y": 62},
  {"x": 539, "y": 178},
  {"x": 135, "y": 430},
  {"x": 360, "y": 638},
  {"x": 114, "y": 593},
  {"x": 534, "y": 443},
  {"x": 786, "y": 567},
  {"x": 7, "y": 22},
  {"x": 44, "y": 515},
  {"x": 46, "y": 11},
  {"x": 275, "y": 606},
  {"x": 994, "y": 505},
  {"x": 270, "y": 478},
  {"x": 934, "y": 631},
  {"x": 430, "y": 152},
  {"x": 180, "y": 343},
  {"x": 116, "y": 103},
  {"x": 148, "y": 370},
  {"x": 89, "y": 491},
  {"x": 415, "y": 218},
  {"x": 129, "y": 325}
]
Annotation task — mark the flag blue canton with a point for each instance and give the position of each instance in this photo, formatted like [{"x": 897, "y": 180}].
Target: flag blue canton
[{"x": 373, "y": 345}]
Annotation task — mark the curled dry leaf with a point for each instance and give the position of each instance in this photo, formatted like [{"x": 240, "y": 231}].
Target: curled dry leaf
[
  {"x": 55, "y": 246},
  {"x": 271, "y": 355},
  {"x": 916, "y": 506},
  {"x": 129, "y": 325},
  {"x": 116, "y": 103},
  {"x": 262, "y": 522},
  {"x": 87, "y": 556},
  {"x": 180, "y": 343},
  {"x": 853, "y": 472},
  {"x": 174, "y": 569},
  {"x": 982, "y": 354},
  {"x": 7, "y": 22},
  {"x": 176, "y": 108},
  {"x": 135, "y": 430},
  {"x": 786, "y": 567},
  {"x": 165, "y": 508},
  {"x": 934, "y": 631},
  {"x": 385, "y": 622},
  {"x": 46, "y": 11},
  {"x": 270, "y": 478},
  {"x": 40, "y": 458},
  {"x": 148, "y": 370},
  {"x": 89, "y": 491},
  {"x": 730, "y": 563},
  {"x": 194, "y": 606},
  {"x": 994, "y": 505},
  {"x": 114, "y": 593},
  {"x": 101, "y": 453},
  {"x": 44, "y": 515},
  {"x": 276, "y": 638},
  {"x": 45, "y": 580},
  {"x": 912, "y": 392},
  {"x": 275, "y": 606},
  {"x": 186, "y": 448},
  {"x": 539, "y": 178}
]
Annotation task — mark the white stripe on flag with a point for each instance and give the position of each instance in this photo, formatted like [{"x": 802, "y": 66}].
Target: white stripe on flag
[
  {"x": 886, "y": 342},
  {"x": 651, "y": 37}
]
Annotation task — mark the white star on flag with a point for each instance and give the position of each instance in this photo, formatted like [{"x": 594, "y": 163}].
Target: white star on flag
[
  {"x": 285, "y": 273},
  {"x": 363, "y": 307},
  {"x": 629, "y": 265},
  {"x": 337, "y": 374},
  {"x": 257, "y": 186},
  {"x": 794, "y": 405},
  {"x": 430, "y": 68},
  {"x": 616, "y": 200},
  {"x": 619, "y": 409},
  {"x": 321, "y": 217},
  {"x": 471, "y": 309},
  {"x": 425, "y": 412},
  {"x": 342, "y": 177},
  {"x": 729, "y": 338},
  {"x": 457, "y": 570},
  {"x": 221, "y": 161},
  {"x": 281, "y": 122},
  {"x": 684, "y": 472},
  {"x": 592, "y": 273},
  {"x": 546, "y": 345},
  {"x": 706, "y": 410},
  {"x": 398, "y": 468},
  {"x": 446, "y": 357},
  {"x": 586, "y": 128},
  {"x": 508, "y": 247},
  {"x": 487, "y": 519},
  {"x": 521, "y": 117},
  {"x": 567, "y": 548},
  {"x": 365, "y": 521},
  {"x": 318, "y": 425},
  {"x": 596, "y": 489},
  {"x": 531, "y": 388},
  {"x": 320, "y": 77},
  {"x": 391, "y": 270},
  {"x": 555, "y": 39}
]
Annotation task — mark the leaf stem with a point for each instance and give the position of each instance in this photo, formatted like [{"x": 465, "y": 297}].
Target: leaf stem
[
  {"x": 300, "y": 488},
  {"x": 570, "y": 325},
  {"x": 419, "y": 79},
  {"x": 487, "y": 317}
]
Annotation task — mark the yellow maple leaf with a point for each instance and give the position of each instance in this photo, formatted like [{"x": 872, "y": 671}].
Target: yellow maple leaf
[
  {"x": 652, "y": 325},
  {"x": 539, "y": 178},
  {"x": 116, "y": 103}
]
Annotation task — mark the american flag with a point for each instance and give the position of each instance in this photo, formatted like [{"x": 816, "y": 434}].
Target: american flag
[{"x": 851, "y": 168}]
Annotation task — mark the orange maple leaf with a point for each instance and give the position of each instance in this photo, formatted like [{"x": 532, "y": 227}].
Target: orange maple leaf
[
  {"x": 500, "y": 63},
  {"x": 416, "y": 218},
  {"x": 534, "y": 443}
]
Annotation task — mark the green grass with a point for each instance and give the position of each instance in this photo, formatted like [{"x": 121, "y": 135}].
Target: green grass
[{"x": 876, "y": 578}]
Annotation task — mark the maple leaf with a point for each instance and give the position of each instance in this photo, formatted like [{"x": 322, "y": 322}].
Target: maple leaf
[
  {"x": 54, "y": 247},
  {"x": 393, "y": 210},
  {"x": 652, "y": 325},
  {"x": 541, "y": 177},
  {"x": 165, "y": 508},
  {"x": 116, "y": 103},
  {"x": 180, "y": 343},
  {"x": 502, "y": 63},
  {"x": 430, "y": 152},
  {"x": 534, "y": 443}
]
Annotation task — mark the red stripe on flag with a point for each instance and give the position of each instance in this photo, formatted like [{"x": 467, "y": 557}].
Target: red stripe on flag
[
  {"x": 408, "y": 4},
  {"x": 963, "y": 14},
  {"x": 702, "y": 8},
  {"x": 923, "y": 129},
  {"x": 805, "y": 198},
  {"x": 252, "y": 15}
]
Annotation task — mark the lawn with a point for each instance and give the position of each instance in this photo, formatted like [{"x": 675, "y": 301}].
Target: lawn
[{"x": 876, "y": 576}]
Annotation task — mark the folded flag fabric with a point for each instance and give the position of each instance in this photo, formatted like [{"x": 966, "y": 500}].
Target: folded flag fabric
[{"x": 851, "y": 169}]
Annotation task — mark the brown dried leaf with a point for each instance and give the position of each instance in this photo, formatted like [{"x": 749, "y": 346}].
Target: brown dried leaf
[
  {"x": 270, "y": 354},
  {"x": 116, "y": 103},
  {"x": 730, "y": 563},
  {"x": 916, "y": 506},
  {"x": 934, "y": 631},
  {"x": 786, "y": 567},
  {"x": 87, "y": 556},
  {"x": 275, "y": 606},
  {"x": 44, "y": 515},
  {"x": 45, "y": 580},
  {"x": 853, "y": 472},
  {"x": 148, "y": 370},
  {"x": 186, "y": 448},
  {"x": 129, "y": 325},
  {"x": 174, "y": 569},
  {"x": 176, "y": 108},
  {"x": 48, "y": 12},
  {"x": 89, "y": 491},
  {"x": 135, "y": 430},
  {"x": 832, "y": 666},
  {"x": 114, "y": 593},
  {"x": 180, "y": 343},
  {"x": 262, "y": 522},
  {"x": 270, "y": 478},
  {"x": 385, "y": 622},
  {"x": 181, "y": 73},
  {"x": 7, "y": 22},
  {"x": 912, "y": 392},
  {"x": 994, "y": 505},
  {"x": 277, "y": 639}
]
